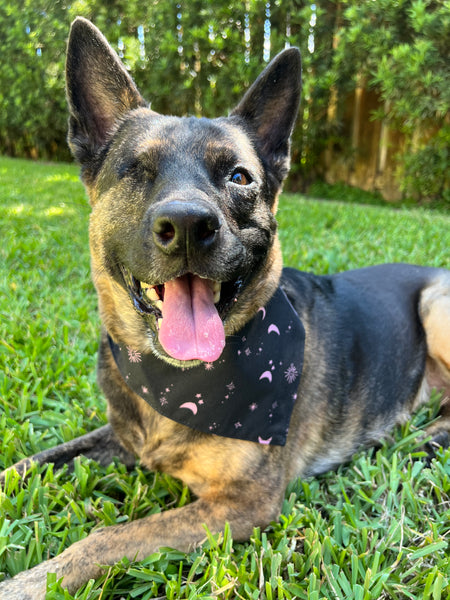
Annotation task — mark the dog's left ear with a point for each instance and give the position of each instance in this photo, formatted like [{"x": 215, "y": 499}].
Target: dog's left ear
[{"x": 270, "y": 106}]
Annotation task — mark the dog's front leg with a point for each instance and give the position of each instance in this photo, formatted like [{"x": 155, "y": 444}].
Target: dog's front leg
[
  {"x": 101, "y": 445},
  {"x": 181, "y": 528}
]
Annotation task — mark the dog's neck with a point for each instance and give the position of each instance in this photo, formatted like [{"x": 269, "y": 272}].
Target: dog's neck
[{"x": 248, "y": 393}]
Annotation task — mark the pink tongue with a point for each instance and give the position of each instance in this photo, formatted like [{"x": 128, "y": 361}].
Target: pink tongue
[{"x": 191, "y": 327}]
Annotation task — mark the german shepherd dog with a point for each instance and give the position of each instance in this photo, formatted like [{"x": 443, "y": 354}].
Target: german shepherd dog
[{"x": 187, "y": 264}]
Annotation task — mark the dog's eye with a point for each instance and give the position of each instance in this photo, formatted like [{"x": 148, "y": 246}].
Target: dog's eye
[{"x": 241, "y": 178}]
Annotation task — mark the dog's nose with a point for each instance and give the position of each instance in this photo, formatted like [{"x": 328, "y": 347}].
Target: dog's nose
[{"x": 185, "y": 226}]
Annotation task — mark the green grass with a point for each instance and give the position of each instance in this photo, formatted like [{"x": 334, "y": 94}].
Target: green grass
[
  {"x": 348, "y": 193},
  {"x": 376, "y": 528}
]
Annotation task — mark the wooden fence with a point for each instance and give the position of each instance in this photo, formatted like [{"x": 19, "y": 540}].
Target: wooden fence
[{"x": 367, "y": 158}]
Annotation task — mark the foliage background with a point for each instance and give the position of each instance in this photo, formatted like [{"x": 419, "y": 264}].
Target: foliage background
[{"x": 197, "y": 57}]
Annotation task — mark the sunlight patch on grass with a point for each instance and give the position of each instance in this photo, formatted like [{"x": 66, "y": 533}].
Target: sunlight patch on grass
[
  {"x": 57, "y": 211},
  {"x": 17, "y": 210},
  {"x": 58, "y": 177}
]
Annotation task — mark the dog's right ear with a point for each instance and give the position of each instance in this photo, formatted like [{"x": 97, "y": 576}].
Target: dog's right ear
[
  {"x": 99, "y": 90},
  {"x": 269, "y": 109}
]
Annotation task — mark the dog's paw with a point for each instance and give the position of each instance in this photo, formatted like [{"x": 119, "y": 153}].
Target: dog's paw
[{"x": 440, "y": 439}]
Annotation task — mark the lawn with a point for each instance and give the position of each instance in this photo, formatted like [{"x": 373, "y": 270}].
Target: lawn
[{"x": 379, "y": 527}]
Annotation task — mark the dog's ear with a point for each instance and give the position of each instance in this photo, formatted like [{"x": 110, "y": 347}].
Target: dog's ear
[
  {"x": 99, "y": 90},
  {"x": 270, "y": 106}
]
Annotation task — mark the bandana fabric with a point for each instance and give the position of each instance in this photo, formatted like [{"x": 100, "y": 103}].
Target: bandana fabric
[{"x": 247, "y": 394}]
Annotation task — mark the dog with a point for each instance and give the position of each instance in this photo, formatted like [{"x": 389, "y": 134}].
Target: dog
[{"x": 220, "y": 367}]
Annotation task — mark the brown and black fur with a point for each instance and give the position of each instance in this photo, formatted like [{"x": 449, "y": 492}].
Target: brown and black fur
[{"x": 377, "y": 339}]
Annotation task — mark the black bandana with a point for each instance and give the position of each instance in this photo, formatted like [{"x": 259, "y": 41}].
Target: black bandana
[{"x": 248, "y": 393}]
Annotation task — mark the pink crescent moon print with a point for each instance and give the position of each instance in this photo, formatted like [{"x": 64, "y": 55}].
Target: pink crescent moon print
[
  {"x": 274, "y": 328},
  {"x": 265, "y": 442},
  {"x": 190, "y": 406},
  {"x": 266, "y": 375}
]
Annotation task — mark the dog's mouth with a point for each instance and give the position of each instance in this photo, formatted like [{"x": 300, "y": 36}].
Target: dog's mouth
[{"x": 189, "y": 312}]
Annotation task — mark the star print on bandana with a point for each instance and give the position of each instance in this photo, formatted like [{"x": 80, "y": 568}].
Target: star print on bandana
[
  {"x": 133, "y": 355},
  {"x": 248, "y": 393},
  {"x": 291, "y": 373}
]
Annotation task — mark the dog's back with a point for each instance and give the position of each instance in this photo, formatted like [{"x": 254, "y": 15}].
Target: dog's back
[{"x": 369, "y": 358}]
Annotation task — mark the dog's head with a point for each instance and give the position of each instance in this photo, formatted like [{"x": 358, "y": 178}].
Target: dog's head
[{"x": 183, "y": 233}]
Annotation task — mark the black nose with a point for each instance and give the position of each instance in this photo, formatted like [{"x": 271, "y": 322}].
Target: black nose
[{"x": 185, "y": 226}]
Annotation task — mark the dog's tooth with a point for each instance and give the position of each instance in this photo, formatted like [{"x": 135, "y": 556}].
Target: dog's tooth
[
  {"x": 158, "y": 322},
  {"x": 216, "y": 290},
  {"x": 152, "y": 294},
  {"x": 159, "y": 304}
]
